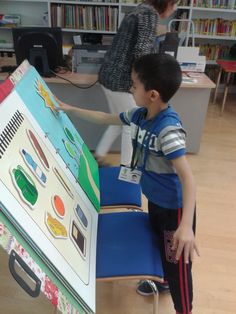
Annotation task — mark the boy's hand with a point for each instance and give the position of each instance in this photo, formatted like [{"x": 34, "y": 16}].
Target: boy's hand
[
  {"x": 184, "y": 242},
  {"x": 63, "y": 106}
]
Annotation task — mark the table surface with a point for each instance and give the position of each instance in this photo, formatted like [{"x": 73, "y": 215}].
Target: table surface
[
  {"x": 202, "y": 80},
  {"x": 227, "y": 65}
]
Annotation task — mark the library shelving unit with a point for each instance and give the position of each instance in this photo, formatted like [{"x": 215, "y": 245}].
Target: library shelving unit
[
  {"x": 74, "y": 17},
  {"x": 214, "y": 20},
  {"x": 214, "y": 24},
  {"x": 214, "y": 28}
]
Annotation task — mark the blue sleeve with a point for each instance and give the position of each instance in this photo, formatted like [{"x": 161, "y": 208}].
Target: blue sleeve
[
  {"x": 176, "y": 154},
  {"x": 122, "y": 118},
  {"x": 127, "y": 116}
]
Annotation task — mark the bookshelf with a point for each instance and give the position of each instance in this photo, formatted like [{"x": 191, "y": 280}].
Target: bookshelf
[
  {"x": 214, "y": 20},
  {"x": 90, "y": 16},
  {"x": 216, "y": 33},
  {"x": 215, "y": 25},
  {"x": 215, "y": 28},
  {"x": 74, "y": 17},
  {"x": 109, "y": 14}
]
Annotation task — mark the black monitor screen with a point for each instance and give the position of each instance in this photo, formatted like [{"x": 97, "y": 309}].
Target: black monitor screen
[{"x": 42, "y": 46}]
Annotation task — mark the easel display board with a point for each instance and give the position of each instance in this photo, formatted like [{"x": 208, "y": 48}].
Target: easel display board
[{"x": 49, "y": 184}]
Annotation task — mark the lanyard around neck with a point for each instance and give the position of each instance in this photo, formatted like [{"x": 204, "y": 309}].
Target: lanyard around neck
[{"x": 135, "y": 157}]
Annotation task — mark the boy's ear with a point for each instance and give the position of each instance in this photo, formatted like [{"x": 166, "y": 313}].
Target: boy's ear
[{"x": 154, "y": 95}]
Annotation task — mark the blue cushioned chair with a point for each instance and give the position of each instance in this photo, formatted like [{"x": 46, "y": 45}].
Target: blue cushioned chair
[
  {"x": 127, "y": 248},
  {"x": 115, "y": 193}
]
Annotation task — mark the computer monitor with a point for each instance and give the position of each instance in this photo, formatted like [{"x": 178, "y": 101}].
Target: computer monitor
[
  {"x": 42, "y": 46},
  {"x": 170, "y": 44},
  {"x": 167, "y": 43}
]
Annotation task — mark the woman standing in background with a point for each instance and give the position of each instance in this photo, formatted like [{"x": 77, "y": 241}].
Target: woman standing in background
[{"x": 134, "y": 38}]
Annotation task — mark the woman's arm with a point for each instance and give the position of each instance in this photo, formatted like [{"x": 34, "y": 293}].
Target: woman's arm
[{"x": 93, "y": 116}]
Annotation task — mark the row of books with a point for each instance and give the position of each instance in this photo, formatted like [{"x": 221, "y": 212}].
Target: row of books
[
  {"x": 217, "y": 27},
  {"x": 101, "y": 18},
  {"x": 104, "y": 1},
  {"x": 110, "y": 1},
  {"x": 214, "y": 52},
  {"x": 221, "y": 4},
  {"x": 132, "y": 1},
  {"x": 9, "y": 20},
  {"x": 216, "y": 4}
]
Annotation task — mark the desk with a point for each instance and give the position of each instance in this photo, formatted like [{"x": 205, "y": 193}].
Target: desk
[
  {"x": 191, "y": 102},
  {"x": 229, "y": 67}
]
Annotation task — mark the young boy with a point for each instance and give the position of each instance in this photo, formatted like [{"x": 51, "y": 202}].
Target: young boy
[{"x": 159, "y": 159}]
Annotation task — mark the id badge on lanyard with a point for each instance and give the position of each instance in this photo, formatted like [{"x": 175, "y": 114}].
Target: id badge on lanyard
[
  {"x": 132, "y": 174},
  {"x": 129, "y": 175}
]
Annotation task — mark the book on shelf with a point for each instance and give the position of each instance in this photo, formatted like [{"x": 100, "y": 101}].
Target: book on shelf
[
  {"x": 85, "y": 17},
  {"x": 214, "y": 51},
  {"x": 9, "y": 20},
  {"x": 215, "y": 27},
  {"x": 215, "y": 4}
]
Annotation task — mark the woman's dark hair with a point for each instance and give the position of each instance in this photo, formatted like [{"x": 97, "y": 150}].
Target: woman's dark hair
[
  {"x": 160, "y": 72},
  {"x": 161, "y": 5}
]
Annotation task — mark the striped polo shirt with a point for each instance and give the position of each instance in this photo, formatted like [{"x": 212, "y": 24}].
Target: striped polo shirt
[{"x": 156, "y": 142}]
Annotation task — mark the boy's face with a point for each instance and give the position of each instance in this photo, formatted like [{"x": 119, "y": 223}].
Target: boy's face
[{"x": 141, "y": 96}]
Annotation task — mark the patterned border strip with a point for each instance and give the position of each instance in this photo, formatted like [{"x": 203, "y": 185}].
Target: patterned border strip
[{"x": 8, "y": 242}]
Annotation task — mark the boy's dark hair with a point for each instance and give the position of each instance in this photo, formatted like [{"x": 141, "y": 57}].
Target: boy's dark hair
[
  {"x": 161, "y": 5},
  {"x": 160, "y": 72}
]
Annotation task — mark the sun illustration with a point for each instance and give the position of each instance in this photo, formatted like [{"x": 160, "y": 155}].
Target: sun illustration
[{"x": 45, "y": 95}]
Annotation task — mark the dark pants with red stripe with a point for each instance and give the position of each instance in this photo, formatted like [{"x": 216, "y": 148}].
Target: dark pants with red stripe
[{"x": 177, "y": 273}]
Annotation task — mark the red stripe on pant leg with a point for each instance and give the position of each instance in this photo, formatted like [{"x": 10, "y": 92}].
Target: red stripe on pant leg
[
  {"x": 186, "y": 286},
  {"x": 181, "y": 284},
  {"x": 183, "y": 275}
]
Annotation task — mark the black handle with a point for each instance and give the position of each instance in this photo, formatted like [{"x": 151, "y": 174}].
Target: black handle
[{"x": 15, "y": 257}]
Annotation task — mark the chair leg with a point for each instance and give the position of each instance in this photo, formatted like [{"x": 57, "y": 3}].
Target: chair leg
[
  {"x": 225, "y": 92},
  {"x": 217, "y": 85},
  {"x": 155, "y": 296}
]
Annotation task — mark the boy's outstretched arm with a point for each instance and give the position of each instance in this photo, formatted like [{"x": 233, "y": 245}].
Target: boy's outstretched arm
[
  {"x": 93, "y": 116},
  {"x": 184, "y": 239}
]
